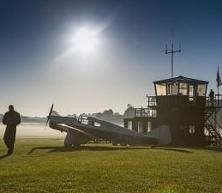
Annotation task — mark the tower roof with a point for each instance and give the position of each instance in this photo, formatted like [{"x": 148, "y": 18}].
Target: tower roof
[{"x": 181, "y": 79}]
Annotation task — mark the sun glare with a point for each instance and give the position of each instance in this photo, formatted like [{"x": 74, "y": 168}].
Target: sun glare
[{"x": 85, "y": 40}]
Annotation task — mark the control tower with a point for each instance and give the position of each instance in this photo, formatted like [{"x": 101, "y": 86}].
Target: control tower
[{"x": 182, "y": 104}]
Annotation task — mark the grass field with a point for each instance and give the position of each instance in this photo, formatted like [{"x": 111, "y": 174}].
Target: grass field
[{"x": 43, "y": 165}]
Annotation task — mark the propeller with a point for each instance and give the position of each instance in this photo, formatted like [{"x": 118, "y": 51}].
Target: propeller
[{"x": 48, "y": 117}]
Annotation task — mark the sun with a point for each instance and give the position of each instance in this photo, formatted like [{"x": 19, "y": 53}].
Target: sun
[{"x": 85, "y": 40}]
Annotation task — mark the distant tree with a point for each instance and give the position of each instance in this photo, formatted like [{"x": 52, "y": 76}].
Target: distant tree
[
  {"x": 129, "y": 112},
  {"x": 129, "y": 105},
  {"x": 117, "y": 114},
  {"x": 108, "y": 112},
  {"x": 110, "y": 116}
]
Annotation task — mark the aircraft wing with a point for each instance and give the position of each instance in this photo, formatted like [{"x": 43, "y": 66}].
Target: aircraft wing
[
  {"x": 74, "y": 136},
  {"x": 66, "y": 127}
]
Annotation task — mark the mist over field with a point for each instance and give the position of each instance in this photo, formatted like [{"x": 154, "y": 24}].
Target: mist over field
[{"x": 34, "y": 130}]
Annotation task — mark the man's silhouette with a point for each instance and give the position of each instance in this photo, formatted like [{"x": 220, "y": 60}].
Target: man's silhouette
[
  {"x": 11, "y": 119},
  {"x": 211, "y": 96}
]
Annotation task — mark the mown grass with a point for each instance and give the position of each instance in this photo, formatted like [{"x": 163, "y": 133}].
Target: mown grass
[{"x": 43, "y": 165}]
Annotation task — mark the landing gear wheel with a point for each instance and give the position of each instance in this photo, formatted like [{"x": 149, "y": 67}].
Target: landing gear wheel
[
  {"x": 76, "y": 146},
  {"x": 67, "y": 144}
]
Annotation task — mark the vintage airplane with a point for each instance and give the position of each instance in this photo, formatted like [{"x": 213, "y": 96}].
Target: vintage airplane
[{"x": 83, "y": 129}]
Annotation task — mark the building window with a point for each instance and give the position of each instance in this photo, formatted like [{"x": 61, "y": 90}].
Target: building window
[
  {"x": 201, "y": 89},
  {"x": 130, "y": 125},
  {"x": 191, "y": 129},
  {"x": 172, "y": 89},
  {"x": 161, "y": 89},
  {"x": 183, "y": 89}
]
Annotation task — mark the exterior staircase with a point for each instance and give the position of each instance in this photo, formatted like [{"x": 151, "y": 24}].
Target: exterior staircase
[
  {"x": 214, "y": 136},
  {"x": 212, "y": 125}
]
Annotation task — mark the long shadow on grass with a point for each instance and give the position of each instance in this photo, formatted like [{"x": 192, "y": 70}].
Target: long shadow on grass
[
  {"x": 82, "y": 148},
  {"x": 174, "y": 149},
  {"x": 54, "y": 149}
]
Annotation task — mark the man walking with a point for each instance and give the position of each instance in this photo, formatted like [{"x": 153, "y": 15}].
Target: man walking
[{"x": 11, "y": 119}]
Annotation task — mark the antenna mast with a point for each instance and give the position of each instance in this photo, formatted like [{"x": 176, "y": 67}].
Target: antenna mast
[{"x": 172, "y": 52}]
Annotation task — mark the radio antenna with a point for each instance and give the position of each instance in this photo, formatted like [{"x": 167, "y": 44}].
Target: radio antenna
[{"x": 172, "y": 52}]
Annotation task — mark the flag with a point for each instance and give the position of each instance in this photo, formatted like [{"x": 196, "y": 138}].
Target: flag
[{"x": 219, "y": 82}]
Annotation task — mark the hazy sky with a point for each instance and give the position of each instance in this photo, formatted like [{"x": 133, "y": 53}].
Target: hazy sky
[{"x": 38, "y": 65}]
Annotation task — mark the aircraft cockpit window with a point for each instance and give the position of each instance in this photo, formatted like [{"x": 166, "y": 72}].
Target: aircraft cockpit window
[
  {"x": 84, "y": 121},
  {"x": 96, "y": 124}
]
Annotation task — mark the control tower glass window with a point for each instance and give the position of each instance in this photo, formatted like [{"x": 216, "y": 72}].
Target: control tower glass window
[
  {"x": 201, "y": 89},
  {"x": 161, "y": 89},
  {"x": 172, "y": 89},
  {"x": 191, "y": 90},
  {"x": 183, "y": 89}
]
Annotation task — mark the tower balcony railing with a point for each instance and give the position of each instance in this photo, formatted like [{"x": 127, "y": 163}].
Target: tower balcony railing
[
  {"x": 215, "y": 102},
  {"x": 151, "y": 101},
  {"x": 145, "y": 112}
]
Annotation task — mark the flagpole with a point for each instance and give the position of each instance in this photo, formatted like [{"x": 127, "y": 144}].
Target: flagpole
[
  {"x": 218, "y": 91},
  {"x": 219, "y": 83}
]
